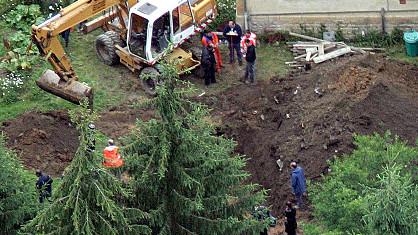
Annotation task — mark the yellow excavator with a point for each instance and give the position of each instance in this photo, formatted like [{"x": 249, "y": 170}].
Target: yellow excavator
[{"x": 138, "y": 33}]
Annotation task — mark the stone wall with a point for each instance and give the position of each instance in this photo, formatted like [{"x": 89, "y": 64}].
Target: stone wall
[{"x": 352, "y": 16}]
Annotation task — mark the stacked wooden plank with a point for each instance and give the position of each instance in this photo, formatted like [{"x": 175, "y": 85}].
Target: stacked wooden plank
[{"x": 315, "y": 50}]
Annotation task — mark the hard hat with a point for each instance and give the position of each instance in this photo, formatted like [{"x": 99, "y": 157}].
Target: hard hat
[
  {"x": 92, "y": 126},
  {"x": 110, "y": 141}
]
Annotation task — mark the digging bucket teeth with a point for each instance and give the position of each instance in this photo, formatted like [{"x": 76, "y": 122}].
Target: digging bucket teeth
[{"x": 72, "y": 91}]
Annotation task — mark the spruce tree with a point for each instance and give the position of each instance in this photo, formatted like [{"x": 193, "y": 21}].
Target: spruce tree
[
  {"x": 18, "y": 197},
  {"x": 392, "y": 206},
  {"x": 85, "y": 200},
  {"x": 183, "y": 175}
]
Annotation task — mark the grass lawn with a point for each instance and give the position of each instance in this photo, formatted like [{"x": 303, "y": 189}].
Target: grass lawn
[
  {"x": 399, "y": 53},
  {"x": 109, "y": 83}
]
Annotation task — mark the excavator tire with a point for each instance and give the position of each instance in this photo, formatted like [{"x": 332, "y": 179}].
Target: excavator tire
[
  {"x": 115, "y": 38},
  {"x": 149, "y": 78},
  {"x": 105, "y": 49}
]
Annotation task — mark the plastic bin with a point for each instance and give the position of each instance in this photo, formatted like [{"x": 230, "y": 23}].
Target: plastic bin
[{"x": 411, "y": 43}]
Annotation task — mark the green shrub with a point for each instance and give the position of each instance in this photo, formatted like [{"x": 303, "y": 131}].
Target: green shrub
[
  {"x": 341, "y": 200},
  {"x": 314, "y": 229},
  {"x": 392, "y": 206},
  {"x": 18, "y": 197},
  {"x": 19, "y": 52},
  {"x": 23, "y": 16},
  {"x": 375, "y": 38},
  {"x": 226, "y": 12}
]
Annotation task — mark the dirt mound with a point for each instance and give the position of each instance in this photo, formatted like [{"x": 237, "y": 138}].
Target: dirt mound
[
  {"x": 119, "y": 121},
  {"x": 49, "y": 140},
  {"x": 44, "y": 141},
  {"x": 313, "y": 117}
]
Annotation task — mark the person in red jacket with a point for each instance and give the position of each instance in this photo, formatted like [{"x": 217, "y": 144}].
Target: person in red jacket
[
  {"x": 210, "y": 38},
  {"x": 250, "y": 36}
]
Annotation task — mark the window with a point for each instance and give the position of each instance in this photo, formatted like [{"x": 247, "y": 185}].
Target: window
[
  {"x": 186, "y": 19},
  {"x": 176, "y": 20},
  {"x": 138, "y": 36},
  {"x": 160, "y": 35}
]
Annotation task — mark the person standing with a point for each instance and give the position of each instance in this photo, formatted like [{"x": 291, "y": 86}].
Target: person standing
[
  {"x": 248, "y": 35},
  {"x": 208, "y": 63},
  {"x": 54, "y": 8},
  {"x": 298, "y": 183},
  {"x": 211, "y": 38},
  {"x": 250, "y": 58},
  {"x": 233, "y": 33},
  {"x": 290, "y": 224},
  {"x": 112, "y": 158},
  {"x": 43, "y": 185}
]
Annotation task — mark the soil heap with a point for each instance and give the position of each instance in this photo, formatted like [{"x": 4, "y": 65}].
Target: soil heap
[{"x": 313, "y": 117}]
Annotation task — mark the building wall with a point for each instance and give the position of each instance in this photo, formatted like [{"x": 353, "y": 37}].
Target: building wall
[{"x": 350, "y": 15}]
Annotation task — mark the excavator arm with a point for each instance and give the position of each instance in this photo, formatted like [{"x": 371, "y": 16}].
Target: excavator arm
[{"x": 63, "y": 81}]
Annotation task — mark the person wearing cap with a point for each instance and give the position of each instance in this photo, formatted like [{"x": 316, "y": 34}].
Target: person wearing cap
[
  {"x": 250, "y": 36},
  {"x": 208, "y": 62},
  {"x": 298, "y": 181},
  {"x": 290, "y": 223},
  {"x": 210, "y": 38},
  {"x": 112, "y": 158},
  {"x": 43, "y": 185}
]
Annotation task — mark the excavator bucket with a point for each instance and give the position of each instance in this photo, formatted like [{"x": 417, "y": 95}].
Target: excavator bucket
[{"x": 72, "y": 91}]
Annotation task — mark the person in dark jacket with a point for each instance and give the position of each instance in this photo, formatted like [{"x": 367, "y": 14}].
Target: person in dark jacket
[
  {"x": 290, "y": 224},
  {"x": 298, "y": 183},
  {"x": 250, "y": 58},
  {"x": 208, "y": 63},
  {"x": 43, "y": 185},
  {"x": 233, "y": 34}
]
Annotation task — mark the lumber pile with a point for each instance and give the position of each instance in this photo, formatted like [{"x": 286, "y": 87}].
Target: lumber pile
[{"x": 315, "y": 51}]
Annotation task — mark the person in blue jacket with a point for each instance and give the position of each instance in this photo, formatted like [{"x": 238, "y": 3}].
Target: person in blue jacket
[
  {"x": 298, "y": 183},
  {"x": 43, "y": 185}
]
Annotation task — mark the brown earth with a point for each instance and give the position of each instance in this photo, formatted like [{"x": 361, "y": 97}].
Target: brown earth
[
  {"x": 49, "y": 140},
  {"x": 282, "y": 118},
  {"x": 45, "y": 141},
  {"x": 285, "y": 118}
]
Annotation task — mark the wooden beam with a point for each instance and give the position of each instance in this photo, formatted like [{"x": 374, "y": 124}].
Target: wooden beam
[
  {"x": 307, "y": 37},
  {"x": 308, "y": 56},
  {"x": 332, "y": 55},
  {"x": 325, "y": 49}
]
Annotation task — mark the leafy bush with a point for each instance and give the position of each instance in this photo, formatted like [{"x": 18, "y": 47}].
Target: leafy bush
[
  {"x": 20, "y": 54},
  {"x": 226, "y": 12},
  {"x": 18, "y": 197},
  {"x": 23, "y": 16},
  {"x": 341, "y": 200}
]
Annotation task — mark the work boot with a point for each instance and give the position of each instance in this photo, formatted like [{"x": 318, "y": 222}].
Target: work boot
[{"x": 240, "y": 63}]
